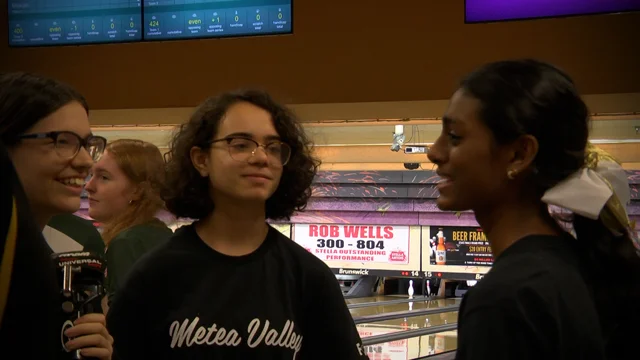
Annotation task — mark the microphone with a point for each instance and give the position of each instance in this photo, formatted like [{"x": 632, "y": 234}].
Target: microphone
[{"x": 81, "y": 275}]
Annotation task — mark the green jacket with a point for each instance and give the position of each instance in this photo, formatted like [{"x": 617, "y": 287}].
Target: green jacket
[{"x": 127, "y": 248}]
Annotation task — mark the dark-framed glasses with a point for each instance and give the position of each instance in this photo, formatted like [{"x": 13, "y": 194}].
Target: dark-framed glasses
[
  {"x": 68, "y": 143},
  {"x": 242, "y": 149}
]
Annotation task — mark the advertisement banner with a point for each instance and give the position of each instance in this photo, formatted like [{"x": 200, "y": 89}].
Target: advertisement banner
[
  {"x": 459, "y": 246},
  {"x": 361, "y": 244}
]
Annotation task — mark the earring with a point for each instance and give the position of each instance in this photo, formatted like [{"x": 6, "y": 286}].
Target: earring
[
  {"x": 511, "y": 174},
  {"x": 130, "y": 201}
]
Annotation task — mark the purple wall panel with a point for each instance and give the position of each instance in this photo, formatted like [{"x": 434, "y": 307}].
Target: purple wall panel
[
  {"x": 354, "y": 217},
  {"x": 360, "y": 204}
]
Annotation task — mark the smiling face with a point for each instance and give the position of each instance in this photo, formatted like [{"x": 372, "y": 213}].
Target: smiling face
[
  {"x": 110, "y": 191},
  {"x": 53, "y": 183},
  {"x": 472, "y": 166},
  {"x": 254, "y": 179}
]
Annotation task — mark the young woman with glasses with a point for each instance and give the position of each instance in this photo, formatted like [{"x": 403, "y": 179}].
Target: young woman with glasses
[
  {"x": 45, "y": 127},
  {"x": 230, "y": 286}
]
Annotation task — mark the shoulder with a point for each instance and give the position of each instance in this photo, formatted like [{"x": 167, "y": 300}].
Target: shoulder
[
  {"x": 544, "y": 276},
  {"x": 154, "y": 231},
  {"x": 303, "y": 261}
]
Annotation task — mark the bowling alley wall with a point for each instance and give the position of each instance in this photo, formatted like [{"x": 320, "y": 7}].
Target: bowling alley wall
[{"x": 386, "y": 223}]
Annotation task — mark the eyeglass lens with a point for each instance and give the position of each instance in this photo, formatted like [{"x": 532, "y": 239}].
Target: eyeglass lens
[
  {"x": 242, "y": 149},
  {"x": 68, "y": 145}
]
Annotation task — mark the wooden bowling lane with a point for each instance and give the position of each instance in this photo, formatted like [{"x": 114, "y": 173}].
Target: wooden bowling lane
[
  {"x": 416, "y": 305},
  {"x": 410, "y": 348},
  {"x": 377, "y": 298}
]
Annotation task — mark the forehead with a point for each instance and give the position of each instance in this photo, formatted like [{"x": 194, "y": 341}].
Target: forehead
[
  {"x": 71, "y": 117},
  {"x": 106, "y": 163},
  {"x": 463, "y": 110},
  {"x": 244, "y": 117}
]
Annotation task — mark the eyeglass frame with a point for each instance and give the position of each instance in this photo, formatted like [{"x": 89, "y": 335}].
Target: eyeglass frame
[
  {"x": 82, "y": 143},
  {"x": 228, "y": 139}
]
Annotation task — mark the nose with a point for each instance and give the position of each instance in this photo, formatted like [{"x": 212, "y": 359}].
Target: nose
[
  {"x": 436, "y": 153},
  {"x": 90, "y": 186},
  {"x": 259, "y": 156},
  {"x": 82, "y": 160}
]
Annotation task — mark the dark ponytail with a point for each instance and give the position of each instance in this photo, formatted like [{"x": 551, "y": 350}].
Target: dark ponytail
[
  {"x": 529, "y": 97},
  {"x": 614, "y": 269}
]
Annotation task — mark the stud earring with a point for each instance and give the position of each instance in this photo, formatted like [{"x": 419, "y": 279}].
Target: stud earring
[
  {"x": 511, "y": 174},
  {"x": 130, "y": 201}
]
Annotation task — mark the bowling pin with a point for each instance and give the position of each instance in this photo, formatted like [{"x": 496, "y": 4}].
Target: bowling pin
[
  {"x": 428, "y": 289},
  {"x": 410, "y": 305},
  {"x": 410, "y": 289}
]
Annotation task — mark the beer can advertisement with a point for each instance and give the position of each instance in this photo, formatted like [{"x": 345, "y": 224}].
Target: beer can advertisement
[
  {"x": 361, "y": 244},
  {"x": 459, "y": 246}
]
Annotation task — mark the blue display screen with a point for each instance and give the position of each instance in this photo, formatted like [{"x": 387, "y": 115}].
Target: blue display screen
[
  {"x": 182, "y": 19},
  {"x": 65, "y": 22}
]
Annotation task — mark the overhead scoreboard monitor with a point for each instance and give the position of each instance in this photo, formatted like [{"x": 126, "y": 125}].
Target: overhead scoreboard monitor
[
  {"x": 478, "y": 11},
  {"x": 183, "y": 19},
  {"x": 68, "y": 22}
]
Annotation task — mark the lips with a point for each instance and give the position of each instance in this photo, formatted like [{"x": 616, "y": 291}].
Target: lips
[
  {"x": 259, "y": 176},
  {"x": 444, "y": 182}
]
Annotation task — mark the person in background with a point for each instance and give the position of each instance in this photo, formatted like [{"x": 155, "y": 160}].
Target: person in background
[
  {"x": 44, "y": 126},
  {"x": 124, "y": 195},
  {"x": 513, "y": 142},
  {"x": 70, "y": 232},
  {"x": 230, "y": 286}
]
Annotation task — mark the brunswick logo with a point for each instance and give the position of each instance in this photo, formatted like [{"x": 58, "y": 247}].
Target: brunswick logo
[{"x": 353, "y": 272}]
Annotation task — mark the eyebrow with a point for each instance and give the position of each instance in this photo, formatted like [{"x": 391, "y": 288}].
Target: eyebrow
[{"x": 250, "y": 136}]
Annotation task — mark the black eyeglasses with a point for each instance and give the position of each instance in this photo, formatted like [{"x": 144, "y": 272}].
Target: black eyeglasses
[
  {"x": 68, "y": 143},
  {"x": 242, "y": 149}
]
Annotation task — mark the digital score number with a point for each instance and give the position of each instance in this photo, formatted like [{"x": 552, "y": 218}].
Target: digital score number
[
  {"x": 18, "y": 30},
  {"x": 215, "y": 19},
  {"x": 340, "y": 244}
]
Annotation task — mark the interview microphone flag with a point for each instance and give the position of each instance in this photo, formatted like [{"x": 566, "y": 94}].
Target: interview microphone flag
[{"x": 81, "y": 277}]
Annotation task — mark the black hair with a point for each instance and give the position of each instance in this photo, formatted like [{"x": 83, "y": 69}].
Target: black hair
[
  {"x": 187, "y": 192},
  {"x": 27, "y": 98},
  {"x": 530, "y": 97}
]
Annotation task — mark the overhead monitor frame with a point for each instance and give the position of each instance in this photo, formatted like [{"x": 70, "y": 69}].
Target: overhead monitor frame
[{"x": 597, "y": 8}]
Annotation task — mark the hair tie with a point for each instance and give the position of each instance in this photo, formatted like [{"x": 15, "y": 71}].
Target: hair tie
[{"x": 599, "y": 190}]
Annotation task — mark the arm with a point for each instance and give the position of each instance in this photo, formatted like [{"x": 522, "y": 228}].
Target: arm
[
  {"x": 330, "y": 332},
  {"x": 120, "y": 260}
]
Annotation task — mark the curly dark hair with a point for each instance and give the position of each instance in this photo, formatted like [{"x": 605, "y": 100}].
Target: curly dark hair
[{"x": 187, "y": 192}]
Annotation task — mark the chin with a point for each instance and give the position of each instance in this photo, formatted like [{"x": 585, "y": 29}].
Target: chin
[
  {"x": 447, "y": 204},
  {"x": 256, "y": 195},
  {"x": 69, "y": 206}
]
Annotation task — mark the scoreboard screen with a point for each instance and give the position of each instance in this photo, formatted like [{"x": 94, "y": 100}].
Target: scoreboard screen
[
  {"x": 184, "y": 19},
  {"x": 477, "y": 11},
  {"x": 73, "y": 22}
]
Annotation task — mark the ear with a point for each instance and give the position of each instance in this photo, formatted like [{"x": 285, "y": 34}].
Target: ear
[
  {"x": 200, "y": 160},
  {"x": 524, "y": 151}
]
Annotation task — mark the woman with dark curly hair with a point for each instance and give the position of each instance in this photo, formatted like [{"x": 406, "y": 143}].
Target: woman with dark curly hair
[{"x": 230, "y": 286}]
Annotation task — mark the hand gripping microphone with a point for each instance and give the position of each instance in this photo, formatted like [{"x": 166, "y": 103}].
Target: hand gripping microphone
[{"x": 81, "y": 275}]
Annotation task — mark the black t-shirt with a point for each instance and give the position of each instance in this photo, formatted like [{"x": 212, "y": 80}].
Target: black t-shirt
[
  {"x": 534, "y": 304},
  {"x": 184, "y": 300},
  {"x": 32, "y": 317}
]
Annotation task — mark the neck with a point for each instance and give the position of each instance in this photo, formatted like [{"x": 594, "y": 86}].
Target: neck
[
  {"x": 234, "y": 228},
  {"x": 506, "y": 224},
  {"x": 42, "y": 221}
]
